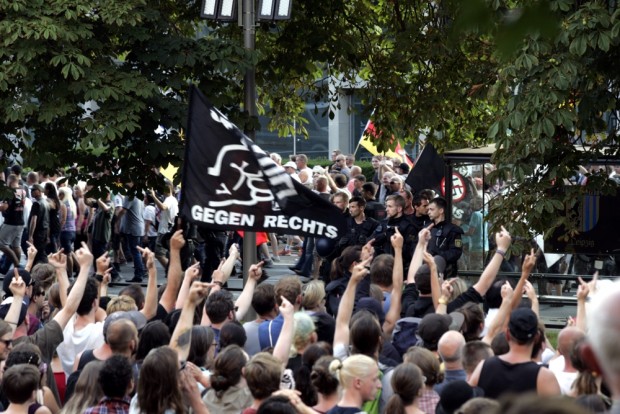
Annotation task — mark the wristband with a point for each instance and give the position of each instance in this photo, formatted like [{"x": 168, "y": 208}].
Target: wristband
[
  {"x": 442, "y": 301},
  {"x": 220, "y": 284},
  {"x": 500, "y": 252}
]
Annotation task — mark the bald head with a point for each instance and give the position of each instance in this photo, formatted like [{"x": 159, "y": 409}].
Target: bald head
[
  {"x": 122, "y": 336},
  {"x": 567, "y": 338},
  {"x": 450, "y": 347}
]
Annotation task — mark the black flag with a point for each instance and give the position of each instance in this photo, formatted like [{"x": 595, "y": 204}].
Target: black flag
[
  {"x": 229, "y": 183},
  {"x": 428, "y": 170}
]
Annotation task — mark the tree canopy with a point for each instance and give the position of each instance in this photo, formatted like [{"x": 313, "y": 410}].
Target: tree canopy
[{"x": 102, "y": 86}]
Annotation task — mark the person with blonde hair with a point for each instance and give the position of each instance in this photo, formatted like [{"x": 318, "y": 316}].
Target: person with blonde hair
[
  {"x": 121, "y": 303},
  {"x": 359, "y": 379},
  {"x": 313, "y": 296}
]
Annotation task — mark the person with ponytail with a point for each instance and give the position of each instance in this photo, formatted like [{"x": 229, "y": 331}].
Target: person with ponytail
[
  {"x": 303, "y": 375},
  {"x": 359, "y": 378},
  {"x": 342, "y": 268},
  {"x": 325, "y": 384},
  {"x": 407, "y": 384}
]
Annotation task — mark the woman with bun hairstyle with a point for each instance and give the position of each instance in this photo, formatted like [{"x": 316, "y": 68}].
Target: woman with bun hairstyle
[
  {"x": 228, "y": 394},
  {"x": 325, "y": 384},
  {"x": 359, "y": 378},
  {"x": 407, "y": 385}
]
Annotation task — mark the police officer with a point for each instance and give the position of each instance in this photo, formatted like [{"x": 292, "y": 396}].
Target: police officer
[
  {"x": 445, "y": 237},
  {"x": 394, "y": 207},
  {"x": 359, "y": 227}
]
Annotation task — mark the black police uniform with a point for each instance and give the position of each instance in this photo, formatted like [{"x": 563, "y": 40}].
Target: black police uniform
[
  {"x": 419, "y": 223},
  {"x": 384, "y": 232},
  {"x": 375, "y": 210},
  {"x": 358, "y": 234},
  {"x": 446, "y": 242}
]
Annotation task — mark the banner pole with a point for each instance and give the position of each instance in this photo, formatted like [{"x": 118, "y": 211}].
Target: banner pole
[{"x": 249, "y": 84}]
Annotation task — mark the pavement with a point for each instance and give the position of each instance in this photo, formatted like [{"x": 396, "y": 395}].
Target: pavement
[{"x": 235, "y": 283}]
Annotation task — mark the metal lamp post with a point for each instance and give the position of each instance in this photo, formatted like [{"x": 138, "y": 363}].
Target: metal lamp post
[{"x": 226, "y": 10}]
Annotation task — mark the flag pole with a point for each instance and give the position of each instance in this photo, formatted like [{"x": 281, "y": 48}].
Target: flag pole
[{"x": 249, "y": 84}]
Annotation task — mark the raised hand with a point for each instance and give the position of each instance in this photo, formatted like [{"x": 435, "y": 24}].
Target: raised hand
[
  {"x": 177, "y": 241},
  {"x": 198, "y": 291},
  {"x": 368, "y": 251},
  {"x": 503, "y": 239},
  {"x": 84, "y": 256},
  {"x": 286, "y": 308},
  {"x": 148, "y": 256},
  {"x": 193, "y": 272},
  {"x": 424, "y": 235},
  {"x": 58, "y": 259},
  {"x": 361, "y": 270},
  {"x": 397, "y": 239},
  {"x": 529, "y": 262},
  {"x": 18, "y": 286},
  {"x": 256, "y": 271},
  {"x": 102, "y": 263}
]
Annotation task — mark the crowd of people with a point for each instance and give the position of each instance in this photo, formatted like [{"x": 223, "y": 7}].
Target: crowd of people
[{"x": 382, "y": 323}]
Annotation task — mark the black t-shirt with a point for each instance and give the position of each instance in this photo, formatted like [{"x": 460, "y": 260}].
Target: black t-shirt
[
  {"x": 14, "y": 214},
  {"x": 344, "y": 410},
  {"x": 40, "y": 209},
  {"x": 470, "y": 295}
]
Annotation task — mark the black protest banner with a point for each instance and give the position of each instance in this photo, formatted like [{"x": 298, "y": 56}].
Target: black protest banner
[
  {"x": 428, "y": 171},
  {"x": 229, "y": 183}
]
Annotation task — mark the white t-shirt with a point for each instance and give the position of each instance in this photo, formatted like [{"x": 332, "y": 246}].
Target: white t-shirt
[
  {"x": 76, "y": 342},
  {"x": 308, "y": 183},
  {"x": 166, "y": 217},
  {"x": 565, "y": 379},
  {"x": 149, "y": 214}
]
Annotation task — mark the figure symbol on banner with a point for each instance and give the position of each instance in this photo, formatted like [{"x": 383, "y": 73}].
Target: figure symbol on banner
[{"x": 248, "y": 179}]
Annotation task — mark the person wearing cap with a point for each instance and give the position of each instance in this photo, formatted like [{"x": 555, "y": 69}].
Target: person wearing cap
[
  {"x": 402, "y": 169},
  {"x": 445, "y": 237},
  {"x": 515, "y": 372},
  {"x": 291, "y": 169},
  {"x": 396, "y": 184},
  {"x": 38, "y": 224}
]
